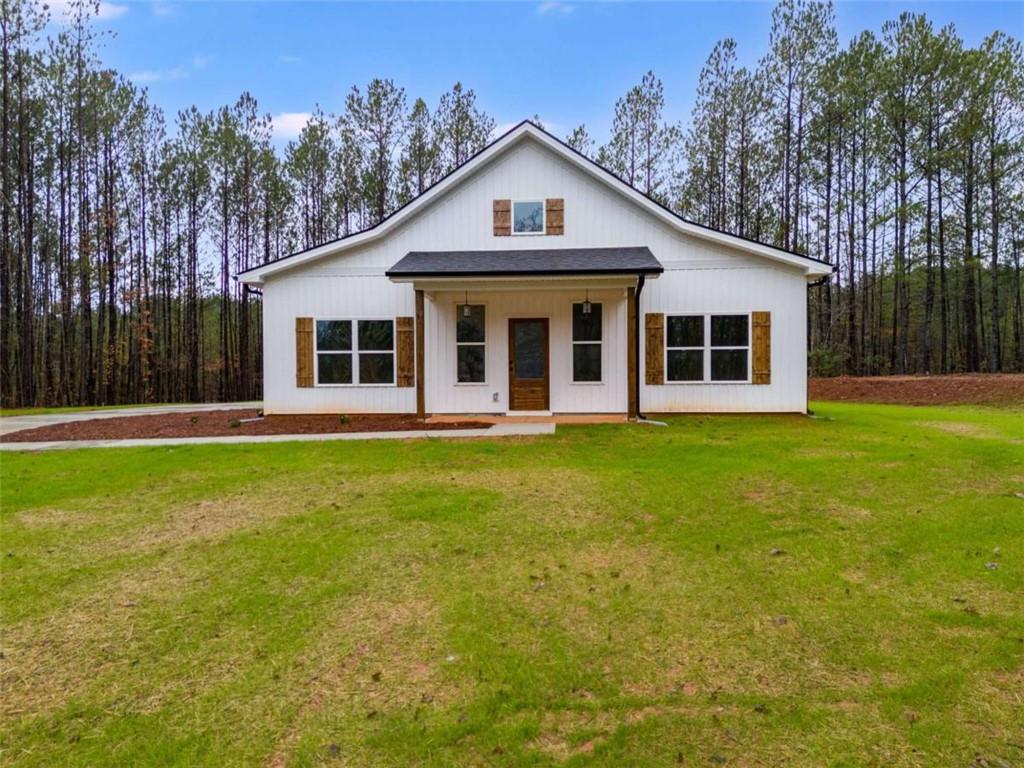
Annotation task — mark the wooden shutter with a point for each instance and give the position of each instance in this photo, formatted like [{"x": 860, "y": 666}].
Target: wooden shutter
[
  {"x": 654, "y": 323},
  {"x": 502, "y": 217},
  {"x": 304, "y": 351},
  {"x": 554, "y": 216},
  {"x": 406, "y": 351},
  {"x": 762, "y": 347}
]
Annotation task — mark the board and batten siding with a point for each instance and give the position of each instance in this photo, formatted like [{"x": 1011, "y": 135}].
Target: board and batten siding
[
  {"x": 700, "y": 276},
  {"x": 445, "y": 395},
  {"x": 344, "y": 297},
  {"x": 781, "y": 292}
]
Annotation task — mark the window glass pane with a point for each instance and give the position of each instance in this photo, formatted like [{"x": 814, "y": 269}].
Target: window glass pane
[
  {"x": 334, "y": 334},
  {"x": 470, "y": 328},
  {"x": 586, "y": 327},
  {"x": 528, "y": 341},
  {"x": 528, "y": 217},
  {"x": 586, "y": 362},
  {"x": 686, "y": 331},
  {"x": 376, "y": 334},
  {"x": 729, "y": 330},
  {"x": 471, "y": 363},
  {"x": 376, "y": 368},
  {"x": 728, "y": 365},
  {"x": 334, "y": 369},
  {"x": 685, "y": 365}
]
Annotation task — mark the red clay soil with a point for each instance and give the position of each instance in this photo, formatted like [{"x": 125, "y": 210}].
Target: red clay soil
[
  {"x": 954, "y": 389},
  {"x": 218, "y": 423}
]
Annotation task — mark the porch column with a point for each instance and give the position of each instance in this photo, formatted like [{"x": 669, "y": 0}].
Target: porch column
[
  {"x": 632, "y": 374},
  {"x": 421, "y": 410}
]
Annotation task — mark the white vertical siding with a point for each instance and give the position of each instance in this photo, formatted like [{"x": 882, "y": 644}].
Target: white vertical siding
[
  {"x": 700, "y": 277},
  {"x": 328, "y": 297},
  {"x": 445, "y": 395},
  {"x": 779, "y": 291}
]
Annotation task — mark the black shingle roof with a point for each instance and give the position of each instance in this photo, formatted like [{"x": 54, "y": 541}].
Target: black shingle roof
[{"x": 547, "y": 261}]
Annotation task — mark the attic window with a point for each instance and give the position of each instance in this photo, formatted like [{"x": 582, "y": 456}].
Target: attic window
[{"x": 528, "y": 217}]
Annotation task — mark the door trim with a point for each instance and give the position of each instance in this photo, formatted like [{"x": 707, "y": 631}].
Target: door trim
[{"x": 547, "y": 361}]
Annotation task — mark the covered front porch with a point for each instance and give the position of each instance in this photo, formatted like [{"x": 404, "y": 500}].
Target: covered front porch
[{"x": 527, "y": 333}]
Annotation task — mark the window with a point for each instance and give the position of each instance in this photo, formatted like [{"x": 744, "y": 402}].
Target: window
[
  {"x": 469, "y": 343},
  {"x": 707, "y": 348},
  {"x": 586, "y": 343},
  {"x": 528, "y": 217},
  {"x": 685, "y": 348},
  {"x": 366, "y": 357}
]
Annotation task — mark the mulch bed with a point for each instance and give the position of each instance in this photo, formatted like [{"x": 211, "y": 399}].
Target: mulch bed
[
  {"x": 228, "y": 422},
  {"x": 953, "y": 389}
]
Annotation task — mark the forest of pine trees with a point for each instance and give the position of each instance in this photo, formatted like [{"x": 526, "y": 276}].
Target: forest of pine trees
[{"x": 898, "y": 159}]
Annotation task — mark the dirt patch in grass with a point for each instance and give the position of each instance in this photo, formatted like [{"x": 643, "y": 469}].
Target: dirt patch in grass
[
  {"x": 954, "y": 389},
  {"x": 227, "y": 423},
  {"x": 961, "y": 429},
  {"x": 49, "y": 660},
  {"x": 373, "y": 657}
]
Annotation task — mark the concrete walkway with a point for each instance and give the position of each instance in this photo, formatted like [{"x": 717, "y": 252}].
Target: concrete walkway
[
  {"x": 496, "y": 430},
  {"x": 10, "y": 424}
]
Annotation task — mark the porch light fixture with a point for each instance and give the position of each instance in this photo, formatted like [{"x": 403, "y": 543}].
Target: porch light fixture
[
  {"x": 586, "y": 303},
  {"x": 466, "y": 312}
]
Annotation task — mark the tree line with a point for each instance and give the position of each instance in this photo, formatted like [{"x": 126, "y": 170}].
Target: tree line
[{"x": 897, "y": 159}]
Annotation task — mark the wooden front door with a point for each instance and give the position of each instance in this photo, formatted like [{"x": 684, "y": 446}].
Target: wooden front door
[{"x": 528, "y": 386}]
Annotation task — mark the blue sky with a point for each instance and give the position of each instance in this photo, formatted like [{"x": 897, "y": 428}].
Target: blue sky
[{"x": 567, "y": 62}]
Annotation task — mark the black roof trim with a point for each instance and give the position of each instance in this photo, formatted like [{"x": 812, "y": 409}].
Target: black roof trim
[
  {"x": 518, "y": 263},
  {"x": 592, "y": 162}
]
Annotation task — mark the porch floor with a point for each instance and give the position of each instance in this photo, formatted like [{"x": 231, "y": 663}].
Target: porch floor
[{"x": 557, "y": 418}]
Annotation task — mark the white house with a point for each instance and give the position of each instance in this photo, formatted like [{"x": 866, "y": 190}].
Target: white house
[{"x": 531, "y": 279}]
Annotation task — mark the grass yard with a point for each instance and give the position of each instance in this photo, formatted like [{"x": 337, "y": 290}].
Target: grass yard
[{"x": 846, "y": 590}]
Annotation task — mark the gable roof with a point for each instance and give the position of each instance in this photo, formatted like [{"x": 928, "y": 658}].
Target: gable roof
[{"x": 526, "y": 129}]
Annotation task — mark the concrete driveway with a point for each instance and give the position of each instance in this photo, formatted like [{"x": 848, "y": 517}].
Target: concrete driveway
[{"x": 10, "y": 424}]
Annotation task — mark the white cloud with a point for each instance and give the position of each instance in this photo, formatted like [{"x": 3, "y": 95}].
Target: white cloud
[
  {"x": 288, "y": 125},
  {"x": 170, "y": 74},
  {"x": 64, "y": 13},
  {"x": 287, "y": 58},
  {"x": 112, "y": 11},
  {"x": 555, "y": 8},
  {"x": 155, "y": 75},
  {"x": 163, "y": 9}
]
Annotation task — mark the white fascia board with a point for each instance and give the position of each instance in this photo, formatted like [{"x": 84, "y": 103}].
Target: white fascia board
[{"x": 522, "y": 282}]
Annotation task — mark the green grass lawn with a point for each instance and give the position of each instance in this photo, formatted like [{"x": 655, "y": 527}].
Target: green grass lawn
[{"x": 734, "y": 590}]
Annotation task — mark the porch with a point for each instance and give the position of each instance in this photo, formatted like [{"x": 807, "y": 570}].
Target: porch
[{"x": 527, "y": 333}]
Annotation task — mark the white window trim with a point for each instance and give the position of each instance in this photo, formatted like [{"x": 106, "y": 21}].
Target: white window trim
[
  {"x": 707, "y": 348},
  {"x": 543, "y": 218},
  {"x": 355, "y": 351},
  {"x": 470, "y": 344},
  {"x": 572, "y": 348}
]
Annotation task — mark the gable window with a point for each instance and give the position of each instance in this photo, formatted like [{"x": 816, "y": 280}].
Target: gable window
[
  {"x": 355, "y": 352},
  {"x": 470, "y": 343},
  {"x": 528, "y": 217},
  {"x": 586, "y": 342},
  {"x": 707, "y": 348}
]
